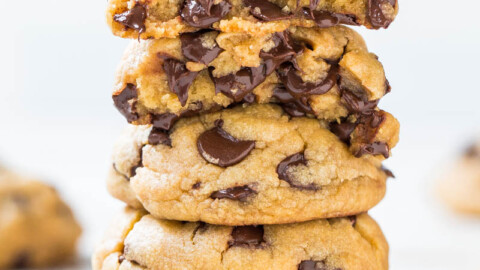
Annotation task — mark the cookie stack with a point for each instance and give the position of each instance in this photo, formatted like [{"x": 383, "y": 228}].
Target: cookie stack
[{"x": 255, "y": 139}]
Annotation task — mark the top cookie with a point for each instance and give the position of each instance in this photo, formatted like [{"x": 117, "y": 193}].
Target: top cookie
[{"x": 146, "y": 19}]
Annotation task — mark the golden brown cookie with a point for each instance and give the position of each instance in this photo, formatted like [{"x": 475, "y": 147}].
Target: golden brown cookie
[
  {"x": 247, "y": 165},
  {"x": 148, "y": 19},
  {"x": 460, "y": 186},
  {"x": 37, "y": 228},
  {"x": 139, "y": 241},
  {"x": 324, "y": 73}
]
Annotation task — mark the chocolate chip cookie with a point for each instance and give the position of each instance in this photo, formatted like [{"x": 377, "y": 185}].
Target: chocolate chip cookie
[
  {"x": 148, "y": 19},
  {"x": 324, "y": 73},
  {"x": 36, "y": 227},
  {"x": 137, "y": 240},
  {"x": 251, "y": 164},
  {"x": 460, "y": 186}
]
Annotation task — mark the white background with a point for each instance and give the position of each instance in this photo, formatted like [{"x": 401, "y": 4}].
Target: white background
[{"x": 57, "y": 59}]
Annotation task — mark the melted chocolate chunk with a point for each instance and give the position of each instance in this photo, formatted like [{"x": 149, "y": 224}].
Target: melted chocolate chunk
[
  {"x": 472, "y": 151},
  {"x": 240, "y": 84},
  {"x": 285, "y": 50},
  {"x": 358, "y": 105},
  {"x": 220, "y": 148},
  {"x": 179, "y": 78},
  {"x": 21, "y": 261},
  {"x": 375, "y": 13},
  {"x": 193, "y": 48},
  {"x": 121, "y": 258},
  {"x": 133, "y": 18},
  {"x": 125, "y": 102},
  {"x": 295, "y": 107},
  {"x": 266, "y": 10},
  {"x": 133, "y": 170},
  {"x": 247, "y": 236},
  {"x": 324, "y": 19},
  {"x": 158, "y": 136},
  {"x": 353, "y": 220},
  {"x": 203, "y": 13},
  {"x": 236, "y": 193},
  {"x": 388, "y": 172},
  {"x": 343, "y": 130},
  {"x": 375, "y": 148},
  {"x": 298, "y": 88},
  {"x": 283, "y": 174},
  {"x": 314, "y": 265},
  {"x": 164, "y": 121}
]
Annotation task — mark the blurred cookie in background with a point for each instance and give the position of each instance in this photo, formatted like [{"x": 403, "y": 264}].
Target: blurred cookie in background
[
  {"x": 37, "y": 228},
  {"x": 460, "y": 186}
]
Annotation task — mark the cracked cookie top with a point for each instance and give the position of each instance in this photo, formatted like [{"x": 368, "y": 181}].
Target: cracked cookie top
[
  {"x": 138, "y": 241},
  {"x": 147, "y": 19}
]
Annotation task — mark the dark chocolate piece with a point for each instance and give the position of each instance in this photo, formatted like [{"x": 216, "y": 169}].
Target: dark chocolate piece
[
  {"x": 285, "y": 50},
  {"x": 203, "y": 13},
  {"x": 375, "y": 148},
  {"x": 293, "y": 160},
  {"x": 295, "y": 107},
  {"x": 164, "y": 121},
  {"x": 197, "y": 185},
  {"x": 266, "y": 11},
  {"x": 159, "y": 136},
  {"x": 343, "y": 130},
  {"x": 240, "y": 193},
  {"x": 125, "y": 102},
  {"x": 298, "y": 88},
  {"x": 375, "y": 13},
  {"x": 324, "y": 19},
  {"x": 240, "y": 84},
  {"x": 179, "y": 78},
  {"x": 388, "y": 172},
  {"x": 314, "y": 265},
  {"x": 247, "y": 236},
  {"x": 358, "y": 105},
  {"x": 220, "y": 148},
  {"x": 194, "y": 50},
  {"x": 133, "y": 18},
  {"x": 133, "y": 170}
]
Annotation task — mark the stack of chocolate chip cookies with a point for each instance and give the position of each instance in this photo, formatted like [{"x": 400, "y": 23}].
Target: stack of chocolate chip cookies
[{"x": 255, "y": 138}]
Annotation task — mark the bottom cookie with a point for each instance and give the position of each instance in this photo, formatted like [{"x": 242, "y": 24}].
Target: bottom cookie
[
  {"x": 136, "y": 240},
  {"x": 460, "y": 187},
  {"x": 36, "y": 227}
]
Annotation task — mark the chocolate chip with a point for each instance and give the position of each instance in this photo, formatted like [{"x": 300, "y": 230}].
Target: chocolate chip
[
  {"x": 314, "y": 265},
  {"x": 388, "y": 172},
  {"x": 285, "y": 49},
  {"x": 472, "y": 151},
  {"x": 239, "y": 84},
  {"x": 358, "y": 105},
  {"x": 283, "y": 174},
  {"x": 249, "y": 98},
  {"x": 375, "y": 13},
  {"x": 353, "y": 220},
  {"x": 203, "y": 13},
  {"x": 21, "y": 261},
  {"x": 158, "y": 136},
  {"x": 197, "y": 185},
  {"x": 324, "y": 19},
  {"x": 298, "y": 88},
  {"x": 247, "y": 236},
  {"x": 133, "y": 170},
  {"x": 164, "y": 121},
  {"x": 121, "y": 258},
  {"x": 343, "y": 130},
  {"x": 133, "y": 18},
  {"x": 125, "y": 102},
  {"x": 295, "y": 107},
  {"x": 179, "y": 78},
  {"x": 218, "y": 147},
  {"x": 375, "y": 148},
  {"x": 194, "y": 48},
  {"x": 236, "y": 193},
  {"x": 266, "y": 10}
]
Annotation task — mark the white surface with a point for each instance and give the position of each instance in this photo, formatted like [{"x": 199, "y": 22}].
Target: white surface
[{"x": 57, "y": 60}]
